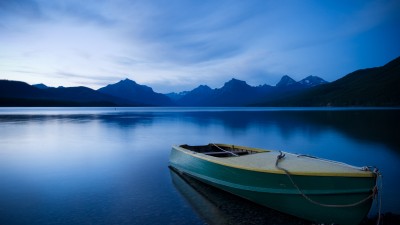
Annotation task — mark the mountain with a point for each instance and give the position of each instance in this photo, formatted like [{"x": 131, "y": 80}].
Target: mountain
[
  {"x": 286, "y": 81},
  {"x": 238, "y": 93},
  {"x": 17, "y": 93},
  {"x": 17, "y": 89},
  {"x": 312, "y": 81},
  {"x": 40, "y": 86},
  {"x": 377, "y": 86},
  {"x": 176, "y": 96},
  {"x": 196, "y": 97},
  {"x": 235, "y": 93},
  {"x": 84, "y": 96},
  {"x": 131, "y": 91}
]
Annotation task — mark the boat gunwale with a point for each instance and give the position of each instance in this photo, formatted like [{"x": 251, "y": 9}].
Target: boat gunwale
[{"x": 322, "y": 174}]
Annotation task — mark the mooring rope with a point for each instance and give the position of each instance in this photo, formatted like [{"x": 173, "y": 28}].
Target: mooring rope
[
  {"x": 379, "y": 202},
  {"x": 372, "y": 195}
]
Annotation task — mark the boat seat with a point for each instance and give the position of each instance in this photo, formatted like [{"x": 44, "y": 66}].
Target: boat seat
[
  {"x": 222, "y": 153},
  {"x": 214, "y": 153}
]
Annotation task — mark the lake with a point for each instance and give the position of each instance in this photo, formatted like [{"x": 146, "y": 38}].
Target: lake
[{"x": 110, "y": 165}]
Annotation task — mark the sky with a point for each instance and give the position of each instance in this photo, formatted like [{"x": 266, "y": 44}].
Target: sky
[{"x": 175, "y": 46}]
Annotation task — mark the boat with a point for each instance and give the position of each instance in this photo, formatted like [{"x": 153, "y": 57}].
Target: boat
[{"x": 311, "y": 188}]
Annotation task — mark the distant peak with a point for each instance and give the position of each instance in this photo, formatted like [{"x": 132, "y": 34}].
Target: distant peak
[
  {"x": 285, "y": 81},
  {"x": 313, "y": 77},
  {"x": 126, "y": 80},
  {"x": 127, "y": 83},
  {"x": 203, "y": 87},
  {"x": 40, "y": 86},
  {"x": 234, "y": 80},
  {"x": 312, "y": 81},
  {"x": 234, "y": 83}
]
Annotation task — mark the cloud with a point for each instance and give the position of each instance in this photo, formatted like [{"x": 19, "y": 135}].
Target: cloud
[
  {"x": 28, "y": 9},
  {"x": 177, "y": 45}
]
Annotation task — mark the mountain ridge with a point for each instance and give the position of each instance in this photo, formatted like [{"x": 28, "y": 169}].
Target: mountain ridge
[
  {"x": 132, "y": 91},
  {"x": 376, "y": 86},
  {"x": 18, "y": 93},
  {"x": 285, "y": 81},
  {"x": 236, "y": 92}
]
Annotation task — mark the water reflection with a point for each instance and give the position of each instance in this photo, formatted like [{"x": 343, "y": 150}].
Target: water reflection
[
  {"x": 83, "y": 163},
  {"x": 379, "y": 126},
  {"x": 218, "y": 207}
]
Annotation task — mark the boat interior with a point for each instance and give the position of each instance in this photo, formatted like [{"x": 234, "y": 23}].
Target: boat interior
[{"x": 220, "y": 150}]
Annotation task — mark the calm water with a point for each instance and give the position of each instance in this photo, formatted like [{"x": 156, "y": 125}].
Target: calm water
[{"x": 110, "y": 166}]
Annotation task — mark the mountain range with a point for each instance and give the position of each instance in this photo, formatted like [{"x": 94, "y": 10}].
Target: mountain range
[
  {"x": 239, "y": 93},
  {"x": 377, "y": 86}
]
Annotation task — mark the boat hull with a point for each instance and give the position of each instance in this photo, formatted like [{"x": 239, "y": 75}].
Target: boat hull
[{"x": 276, "y": 191}]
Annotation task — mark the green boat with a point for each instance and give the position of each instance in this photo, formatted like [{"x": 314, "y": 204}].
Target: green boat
[{"x": 311, "y": 188}]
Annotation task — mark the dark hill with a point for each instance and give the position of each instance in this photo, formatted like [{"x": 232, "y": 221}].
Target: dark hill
[
  {"x": 131, "y": 91},
  {"x": 83, "y": 95},
  {"x": 197, "y": 97},
  {"x": 286, "y": 81},
  {"x": 377, "y": 86},
  {"x": 238, "y": 93},
  {"x": 234, "y": 93},
  {"x": 16, "y": 93},
  {"x": 18, "y": 89},
  {"x": 312, "y": 81},
  {"x": 40, "y": 86}
]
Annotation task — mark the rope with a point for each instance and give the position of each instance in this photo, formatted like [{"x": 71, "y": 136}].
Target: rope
[
  {"x": 380, "y": 198},
  {"x": 373, "y": 194},
  {"x": 224, "y": 150}
]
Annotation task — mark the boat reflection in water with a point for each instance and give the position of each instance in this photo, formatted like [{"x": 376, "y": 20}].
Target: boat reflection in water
[{"x": 215, "y": 206}]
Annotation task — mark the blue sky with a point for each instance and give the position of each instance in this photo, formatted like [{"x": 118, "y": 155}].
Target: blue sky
[{"x": 177, "y": 45}]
